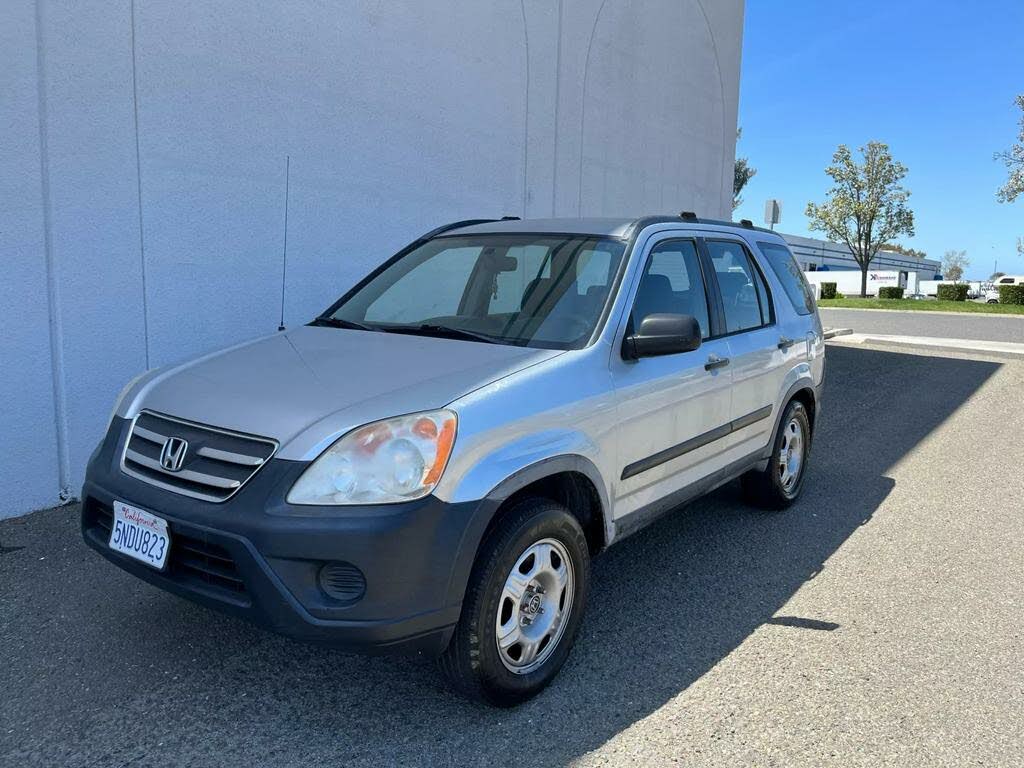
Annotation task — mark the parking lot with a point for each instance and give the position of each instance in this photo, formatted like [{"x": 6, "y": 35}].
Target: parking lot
[{"x": 877, "y": 622}]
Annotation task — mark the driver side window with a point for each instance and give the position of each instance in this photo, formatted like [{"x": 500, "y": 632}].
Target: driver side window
[{"x": 672, "y": 282}]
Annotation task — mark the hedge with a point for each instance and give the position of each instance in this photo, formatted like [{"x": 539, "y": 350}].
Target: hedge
[
  {"x": 828, "y": 290},
  {"x": 890, "y": 292},
  {"x": 954, "y": 292},
  {"x": 1011, "y": 294}
]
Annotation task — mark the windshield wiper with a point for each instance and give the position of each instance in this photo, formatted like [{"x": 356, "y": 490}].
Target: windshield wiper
[
  {"x": 337, "y": 322},
  {"x": 447, "y": 332}
]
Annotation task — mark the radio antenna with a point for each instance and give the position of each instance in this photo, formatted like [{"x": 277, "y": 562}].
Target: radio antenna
[{"x": 284, "y": 254}]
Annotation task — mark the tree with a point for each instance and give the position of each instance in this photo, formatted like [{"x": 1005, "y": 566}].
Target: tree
[
  {"x": 904, "y": 251},
  {"x": 742, "y": 173},
  {"x": 953, "y": 265},
  {"x": 1013, "y": 158},
  {"x": 867, "y": 206}
]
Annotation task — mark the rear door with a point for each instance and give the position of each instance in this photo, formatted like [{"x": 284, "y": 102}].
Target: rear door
[{"x": 759, "y": 354}]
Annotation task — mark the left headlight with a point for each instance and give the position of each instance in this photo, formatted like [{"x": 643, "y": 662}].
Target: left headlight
[{"x": 383, "y": 462}]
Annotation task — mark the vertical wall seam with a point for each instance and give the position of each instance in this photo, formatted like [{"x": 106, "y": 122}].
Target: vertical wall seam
[
  {"x": 138, "y": 188},
  {"x": 721, "y": 89},
  {"x": 583, "y": 104},
  {"x": 526, "y": 110},
  {"x": 52, "y": 283},
  {"x": 558, "y": 103}
]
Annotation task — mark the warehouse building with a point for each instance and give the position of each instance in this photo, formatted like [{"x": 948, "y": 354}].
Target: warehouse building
[
  {"x": 817, "y": 255},
  {"x": 150, "y": 148}
]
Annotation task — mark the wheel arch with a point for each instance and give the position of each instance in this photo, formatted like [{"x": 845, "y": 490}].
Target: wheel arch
[{"x": 569, "y": 479}]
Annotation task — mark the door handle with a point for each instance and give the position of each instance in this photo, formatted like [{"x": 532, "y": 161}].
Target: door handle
[
  {"x": 786, "y": 343},
  {"x": 715, "y": 362}
]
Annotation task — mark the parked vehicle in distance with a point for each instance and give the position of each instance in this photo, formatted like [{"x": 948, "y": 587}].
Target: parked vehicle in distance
[
  {"x": 992, "y": 294},
  {"x": 431, "y": 464}
]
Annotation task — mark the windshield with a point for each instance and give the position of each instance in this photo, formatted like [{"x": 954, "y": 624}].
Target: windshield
[{"x": 532, "y": 290}]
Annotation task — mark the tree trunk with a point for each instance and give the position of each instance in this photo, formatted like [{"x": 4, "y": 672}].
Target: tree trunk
[{"x": 864, "y": 281}]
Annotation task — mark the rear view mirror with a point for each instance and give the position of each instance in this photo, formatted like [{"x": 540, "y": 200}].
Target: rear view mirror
[
  {"x": 492, "y": 262},
  {"x": 662, "y": 334}
]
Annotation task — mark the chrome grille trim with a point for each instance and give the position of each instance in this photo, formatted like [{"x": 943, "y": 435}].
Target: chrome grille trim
[
  {"x": 218, "y": 463},
  {"x": 185, "y": 474},
  {"x": 230, "y": 457}
]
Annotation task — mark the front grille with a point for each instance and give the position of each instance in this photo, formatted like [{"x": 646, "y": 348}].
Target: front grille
[
  {"x": 192, "y": 559},
  {"x": 215, "y": 462}
]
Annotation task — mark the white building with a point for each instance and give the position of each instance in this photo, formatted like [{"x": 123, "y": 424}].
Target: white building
[
  {"x": 817, "y": 255},
  {"x": 142, "y": 171}
]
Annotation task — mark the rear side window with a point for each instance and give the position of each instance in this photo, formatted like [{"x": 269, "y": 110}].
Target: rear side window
[
  {"x": 788, "y": 271},
  {"x": 744, "y": 296}
]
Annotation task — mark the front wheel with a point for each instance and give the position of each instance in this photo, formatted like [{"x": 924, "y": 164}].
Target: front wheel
[
  {"x": 779, "y": 484},
  {"x": 523, "y": 607}
]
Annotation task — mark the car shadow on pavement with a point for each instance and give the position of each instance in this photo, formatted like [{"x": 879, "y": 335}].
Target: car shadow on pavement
[{"x": 666, "y": 605}]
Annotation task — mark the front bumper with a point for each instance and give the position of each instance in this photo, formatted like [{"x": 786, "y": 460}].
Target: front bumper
[{"x": 257, "y": 557}]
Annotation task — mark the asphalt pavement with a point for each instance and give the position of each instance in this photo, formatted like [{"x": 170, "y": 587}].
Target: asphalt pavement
[
  {"x": 876, "y": 623},
  {"x": 949, "y": 325}
]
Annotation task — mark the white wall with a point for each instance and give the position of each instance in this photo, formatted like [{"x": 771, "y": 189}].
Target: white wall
[{"x": 142, "y": 167}]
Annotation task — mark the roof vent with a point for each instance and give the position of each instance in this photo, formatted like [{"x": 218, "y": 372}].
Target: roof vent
[
  {"x": 688, "y": 215},
  {"x": 746, "y": 223}
]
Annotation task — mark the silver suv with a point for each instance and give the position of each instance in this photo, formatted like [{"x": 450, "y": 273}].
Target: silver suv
[{"x": 432, "y": 463}]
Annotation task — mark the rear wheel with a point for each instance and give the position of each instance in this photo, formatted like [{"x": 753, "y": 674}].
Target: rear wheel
[
  {"x": 780, "y": 483},
  {"x": 523, "y": 605}
]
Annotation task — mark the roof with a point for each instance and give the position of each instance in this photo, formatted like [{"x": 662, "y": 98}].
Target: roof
[{"x": 621, "y": 228}]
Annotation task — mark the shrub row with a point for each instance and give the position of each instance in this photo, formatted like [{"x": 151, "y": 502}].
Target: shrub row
[
  {"x": 890, "y": 292},
  {"x": 1011, "y": 294},
  {"x": 956, "y": 292},
  {"x": 828, "y": 290}
]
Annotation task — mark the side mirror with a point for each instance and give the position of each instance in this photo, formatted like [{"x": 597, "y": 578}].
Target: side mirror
[{"x": 662, "y": 334}]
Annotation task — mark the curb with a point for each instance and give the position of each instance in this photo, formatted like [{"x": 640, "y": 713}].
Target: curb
[{"x": 1002, "y": 348}]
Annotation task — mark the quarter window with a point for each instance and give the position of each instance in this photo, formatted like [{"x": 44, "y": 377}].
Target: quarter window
[
  {"x": 744, "y": 295},
  {"x": 793, "y": 281},
  {"x": 672, "y": 283}
]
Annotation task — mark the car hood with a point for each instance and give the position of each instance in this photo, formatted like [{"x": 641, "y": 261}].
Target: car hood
[{"x": 307, "y": 386}]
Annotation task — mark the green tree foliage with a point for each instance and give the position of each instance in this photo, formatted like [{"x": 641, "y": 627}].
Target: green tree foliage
[
  {"x": 742, "y": 173},
  {"x": 1013, "y": 158},
  {"x": 867, "y": 206}
]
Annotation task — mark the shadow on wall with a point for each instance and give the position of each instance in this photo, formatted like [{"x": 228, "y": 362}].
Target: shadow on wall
[{"x": 667, "y": 605}]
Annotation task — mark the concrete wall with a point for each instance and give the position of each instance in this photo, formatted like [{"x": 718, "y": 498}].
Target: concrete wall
[{"x": 142, "y": 171}]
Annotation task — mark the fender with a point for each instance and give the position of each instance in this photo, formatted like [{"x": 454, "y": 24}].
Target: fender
[
  {"x": 804, "y": 381},
  {"x": 492, "y": 501}
]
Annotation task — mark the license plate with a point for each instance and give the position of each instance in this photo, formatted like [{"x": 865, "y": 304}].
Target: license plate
[{"x": 139, "y": 534}]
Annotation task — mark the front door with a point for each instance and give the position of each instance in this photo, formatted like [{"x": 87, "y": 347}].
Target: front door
[{"x": 674, "y": 409}]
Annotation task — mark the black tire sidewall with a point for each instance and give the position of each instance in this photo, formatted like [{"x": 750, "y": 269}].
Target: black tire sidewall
[
  {"x": 796, "y": 410},
  {"x": 525, "y": 525}
]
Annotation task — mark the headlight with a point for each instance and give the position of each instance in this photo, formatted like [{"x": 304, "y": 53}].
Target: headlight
[{"x": 384, "y": 462}]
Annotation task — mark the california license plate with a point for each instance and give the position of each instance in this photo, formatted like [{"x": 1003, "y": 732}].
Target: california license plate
[{"x": 139, "y": 534}]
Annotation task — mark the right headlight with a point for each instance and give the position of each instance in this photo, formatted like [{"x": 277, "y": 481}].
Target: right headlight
[{"x": 384, "y": 462}]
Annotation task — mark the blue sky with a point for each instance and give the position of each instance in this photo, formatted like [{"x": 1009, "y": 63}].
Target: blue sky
[{"x": 934, "y": 80}]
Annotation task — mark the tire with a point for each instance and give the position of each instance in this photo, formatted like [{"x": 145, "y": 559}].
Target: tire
[
  {"x": 473, "y": 662},
  {"x": 778, "y": 485}
]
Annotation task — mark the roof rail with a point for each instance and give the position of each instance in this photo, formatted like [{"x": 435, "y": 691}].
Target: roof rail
[{"x": 454, "y": 225}]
